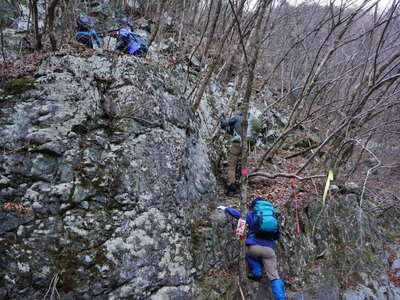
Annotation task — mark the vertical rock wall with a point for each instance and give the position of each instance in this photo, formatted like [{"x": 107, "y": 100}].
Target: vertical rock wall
[{"x": 105, "y": 173}]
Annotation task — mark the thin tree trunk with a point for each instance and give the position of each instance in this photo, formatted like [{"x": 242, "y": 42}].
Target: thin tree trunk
[
  {"x": 256, "y": 45},
  {"x": 159, "y": 19},
  {"x": 50, "y": 17},
  {"x": 200, "y": 13},
  {"x": 3, "y": 53},
  {"x": 215, "y": 61},
  {"x": 35, "y": 16},
  {"x": 159, "y": 35},
  {"x": 212, "y": 29},
  {"x": 181, "y": 23},
  {"x": 44, "y": 29}
]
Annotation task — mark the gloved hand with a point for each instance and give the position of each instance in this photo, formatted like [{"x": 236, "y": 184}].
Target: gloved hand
[
  {"x": 222, "y": 116},
  {"x": 221, "y": 207}
]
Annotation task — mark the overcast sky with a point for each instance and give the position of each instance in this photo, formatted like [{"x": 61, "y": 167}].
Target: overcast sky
[{"x": 382, "y": 3}]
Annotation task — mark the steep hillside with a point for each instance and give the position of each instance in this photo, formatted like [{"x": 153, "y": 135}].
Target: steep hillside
[{"x": 109, "y": 185}]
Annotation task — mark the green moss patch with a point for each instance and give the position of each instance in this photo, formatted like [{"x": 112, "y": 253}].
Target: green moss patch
[
  {"x": 18, "y": 86},
  {"x": 300, "y": 141}
]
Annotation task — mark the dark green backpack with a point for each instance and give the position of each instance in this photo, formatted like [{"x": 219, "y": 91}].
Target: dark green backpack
[{"x": 265, "y": 222}]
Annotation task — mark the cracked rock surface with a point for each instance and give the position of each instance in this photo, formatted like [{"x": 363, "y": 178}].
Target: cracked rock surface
[{"x": 104, "y": 172}]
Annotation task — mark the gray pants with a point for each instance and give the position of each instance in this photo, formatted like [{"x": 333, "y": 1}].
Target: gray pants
[{"x": 268, "y": 258}]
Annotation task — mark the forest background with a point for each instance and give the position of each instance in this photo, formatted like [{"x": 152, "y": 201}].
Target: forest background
[{"x": 334, "y": 66}]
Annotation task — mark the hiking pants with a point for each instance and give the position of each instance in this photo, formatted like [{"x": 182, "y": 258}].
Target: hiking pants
[
  {"x": 268, "y": 258},
  {"x": 233, "y": 156},
  {"x": 85, "y": 39}
]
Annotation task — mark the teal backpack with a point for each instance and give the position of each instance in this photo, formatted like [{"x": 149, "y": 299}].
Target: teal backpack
[{"x": 265, "y": 222}]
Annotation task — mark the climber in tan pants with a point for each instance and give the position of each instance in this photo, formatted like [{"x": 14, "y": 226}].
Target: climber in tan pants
[{"x": 234, "y": 127}]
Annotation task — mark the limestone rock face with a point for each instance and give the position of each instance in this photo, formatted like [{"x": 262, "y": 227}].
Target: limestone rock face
[{"x": 104, "y": 175}]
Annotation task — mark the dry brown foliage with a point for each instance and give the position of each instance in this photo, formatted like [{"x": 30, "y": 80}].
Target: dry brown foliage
[
  {"x": 348, "y": 281},
  {"x": 28, "y": 64},
  {"x": 15, "y": 207},
  {"x": 22, "y": 66},
  {"x": 394, "y": 276},
  {"x": 76, "y": 49},
  {"x": 219, "y": 273},
  {"x": 279, "y": 191}
]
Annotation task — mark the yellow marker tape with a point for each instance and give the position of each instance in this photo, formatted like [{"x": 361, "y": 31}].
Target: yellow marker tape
[{"x": 327, "y": 184}]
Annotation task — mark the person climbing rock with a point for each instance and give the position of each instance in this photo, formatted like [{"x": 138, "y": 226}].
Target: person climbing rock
[
  {"x": 262, "y": 231},
  {"x": 234, "y": 127},
  {"x": 130, "y": 42},
  {"x": 85, "y": 32}
]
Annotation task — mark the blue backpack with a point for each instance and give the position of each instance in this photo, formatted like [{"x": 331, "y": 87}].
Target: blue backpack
[
  {"x": 131, "y": 43},
  {"x": 265, "y": 222},
  {"x": 142, "y": 45}
]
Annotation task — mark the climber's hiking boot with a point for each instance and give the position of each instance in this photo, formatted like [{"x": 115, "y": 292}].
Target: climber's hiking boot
[
  {"x": 232, "y": 189},
  {"x": 254, "y": 277},
  {"x": 254, "y": 268}
]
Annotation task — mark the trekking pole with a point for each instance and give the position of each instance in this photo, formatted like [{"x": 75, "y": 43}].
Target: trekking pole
[{"x": 241, "y": 291}]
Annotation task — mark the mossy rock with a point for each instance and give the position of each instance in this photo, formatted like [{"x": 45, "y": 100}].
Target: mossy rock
[
  {"x": 18, "y": 86},
  {"x": 300, "y": 141},
  {"x": 256, "y": 126},
  {"x": 210, "y": 287},
  {"x": 357, "y": 277},
  {"x": 392, "y": 236}
]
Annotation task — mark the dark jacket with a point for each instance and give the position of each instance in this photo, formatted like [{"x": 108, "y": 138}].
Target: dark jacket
[
  {"x": 86, "y": 36},
  {"x": 251, "y": 240},
  {"x": 234, "y": 127}
]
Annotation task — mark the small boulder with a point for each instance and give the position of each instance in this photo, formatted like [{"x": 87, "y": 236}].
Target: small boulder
[{"x": 351, "y": 187}]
